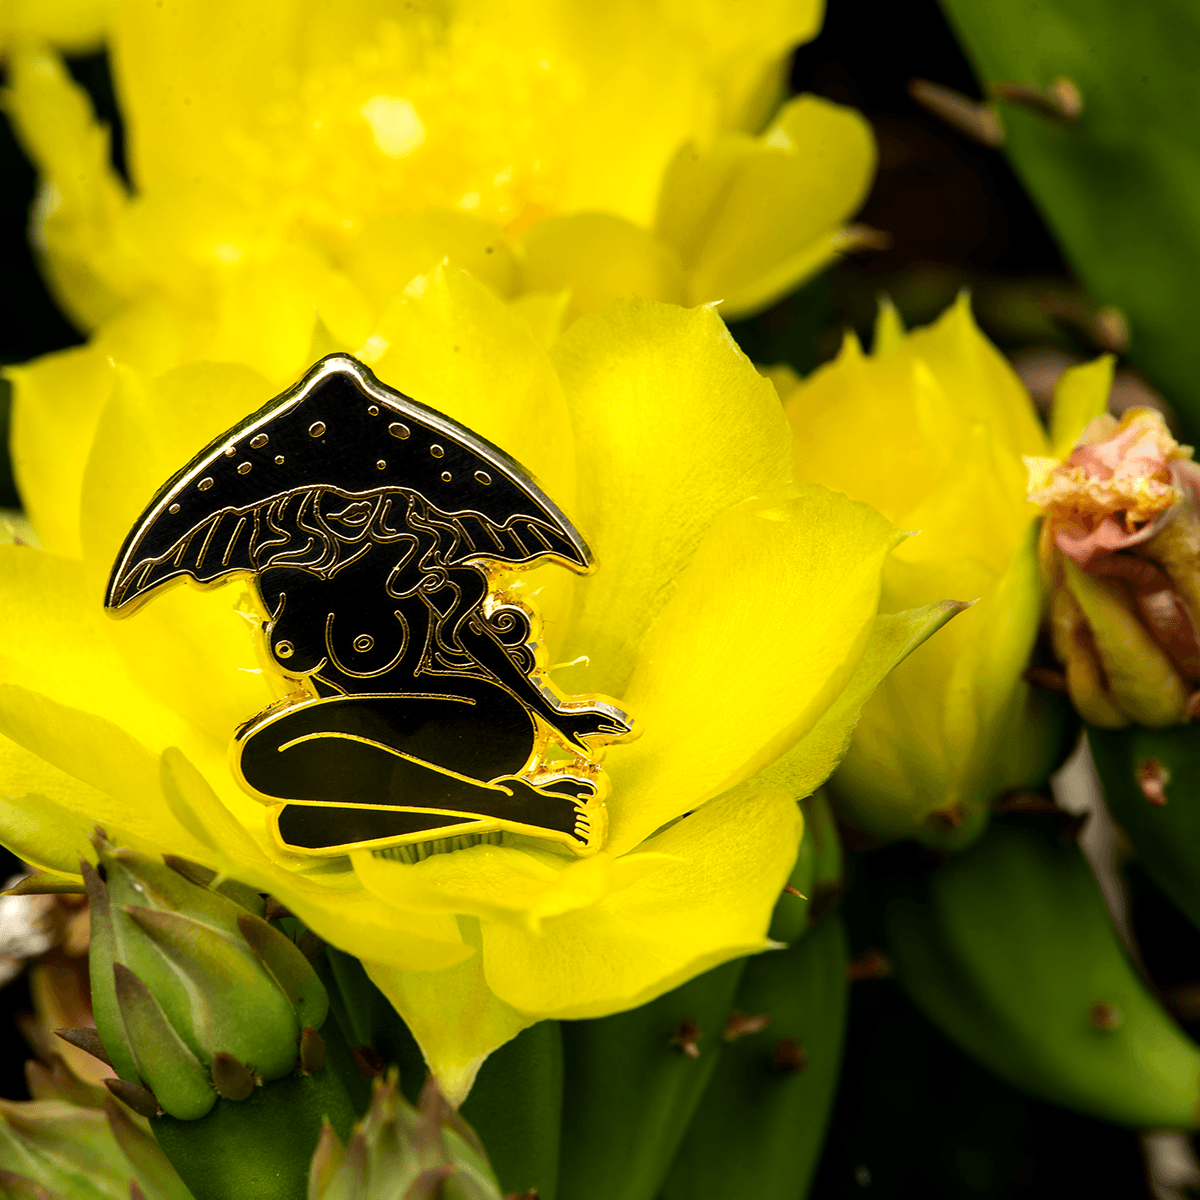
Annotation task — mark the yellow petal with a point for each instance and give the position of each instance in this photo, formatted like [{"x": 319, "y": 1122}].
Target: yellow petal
[
  {"x": 186, "y": 634},
  {"x": 329, "y": 899},
  {"x": 979, "y": 378},
  {"x": 150, "y": 428},
  {"x": 81, "y": 198},
  {"x": 986, "y": 683},
  {"x": 342, "y": 912},
  {"x": 493, "y": 882},
  {"x": 188, "y": 75},
  {"x": 699, "y": 69},
  {"x": 393, "y": 249},
  {"x": 57, "y": 401},
  {"x": 745, "y": 45},
  {"x": 63, "y": 651},
  {"x": 65, "y": 660},
  {"x": 765, "y": 629},
  {"x": 1080, "y": 396},
  {"x": 855, "y": 427},
  {"x": 451, "y": 344},
  {"x": 709, "y": 905},
  {"x": 195, "y": 805},
  {"x": 545, "y": 314},
  {"x": 673, "y": 427},
  {"x": 938, "y": 730},
  {"x": 887, "y": 429},
  {"x": 147, "y": 334},
  {"x": 499, "y": 883},
  {"x": 599, "y": 258},
  {"x": 894, "y": 636},
  {"x": 752, "y": 217},
  {"x": 977, "y": 509},
  {"x": 43, "y": 811},
  {"x": 63, "y": 684},
  {"x": 455, "y": 1017},
  {"x": 890, "y": 334},
  {"x": 121, "y": 771},
  {"x": 618, "y": 62},
  {"x": 782, "y": 376},
  {"x": 898, "y": 769},
  {"x": 266, "y": 312},
  {"x": 74, "y": 25}
]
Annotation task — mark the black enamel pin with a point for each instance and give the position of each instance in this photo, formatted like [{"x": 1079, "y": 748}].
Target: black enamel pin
[{"x": 379, "y": 535}]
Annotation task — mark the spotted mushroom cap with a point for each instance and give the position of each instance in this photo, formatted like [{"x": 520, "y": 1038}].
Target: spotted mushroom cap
[{"x": 342, "y": 430}]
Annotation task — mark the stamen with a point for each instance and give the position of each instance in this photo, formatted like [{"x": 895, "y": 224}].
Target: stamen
[
  {"x": 1061, "y": 102},
  {"x": 980, "y": 122}
]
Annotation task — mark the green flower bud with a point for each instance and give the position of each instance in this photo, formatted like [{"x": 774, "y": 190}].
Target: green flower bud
[
  {"x": 195, "y": 995},
  {"x": 398, "y": 1152},
  {"x": 53, "y": 1150},
  {"x": 1128, "y": 675}
]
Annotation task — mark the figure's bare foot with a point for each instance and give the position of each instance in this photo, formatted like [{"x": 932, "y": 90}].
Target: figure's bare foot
[{"x": 578, "y": 797}]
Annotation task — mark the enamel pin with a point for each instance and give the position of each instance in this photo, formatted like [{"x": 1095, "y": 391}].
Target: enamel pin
[{"x": 379, "y": 535}]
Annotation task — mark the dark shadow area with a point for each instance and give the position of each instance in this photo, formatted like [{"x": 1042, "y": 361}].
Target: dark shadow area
[
  {"x": 14, "y": 1000},
  {"x": 917, "y": 1119}
]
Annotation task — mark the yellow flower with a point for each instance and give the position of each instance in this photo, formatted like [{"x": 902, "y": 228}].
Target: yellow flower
[
  {"x": 77, "y": 26},
  {"x": 323, "y": 156},
  {"x": 733, "y": 612},
  {"x": 931, "y": 429}
]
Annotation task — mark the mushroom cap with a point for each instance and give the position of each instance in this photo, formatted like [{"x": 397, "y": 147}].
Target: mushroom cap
[{"x": 339, "y": 430}]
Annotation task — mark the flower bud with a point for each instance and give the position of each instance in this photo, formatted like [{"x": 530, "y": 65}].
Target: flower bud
[
  {"x": 1120, "y": 549},
  {"x": 194, "y": 995},
  {"x": 398, "y": 1151},
  {"x": 930, "y": 428},
  {"x": 54, "y": 1150}
]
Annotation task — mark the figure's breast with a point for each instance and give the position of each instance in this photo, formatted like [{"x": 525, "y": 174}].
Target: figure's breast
[{"x": 346, "y": 629}]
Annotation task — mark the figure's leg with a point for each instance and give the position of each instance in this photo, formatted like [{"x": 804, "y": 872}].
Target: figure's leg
[
  {"x": 367, "y": 749},
  {"x": 411, "y": 752},
  {"x": 320, "y": 827}
]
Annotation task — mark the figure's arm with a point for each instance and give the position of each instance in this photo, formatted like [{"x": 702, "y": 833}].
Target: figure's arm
[{"x": 574, "y": 723}]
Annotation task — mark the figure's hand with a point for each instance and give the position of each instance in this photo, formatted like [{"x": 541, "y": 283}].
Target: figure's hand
[{"x": 580, "y": 723}]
